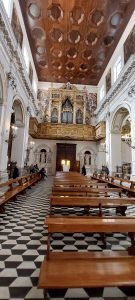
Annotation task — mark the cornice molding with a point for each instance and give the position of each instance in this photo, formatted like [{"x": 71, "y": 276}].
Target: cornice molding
[
  {"x": 131, "y": 92},
  {"x": 14, "y": 54}
]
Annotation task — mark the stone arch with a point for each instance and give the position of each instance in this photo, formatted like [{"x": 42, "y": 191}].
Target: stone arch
[
  {"x": 120, "y": 155},
  {"x": 19, "y": 119},
  {"x": 119, "y": 116},
  {"x": 20, "y": 111}
]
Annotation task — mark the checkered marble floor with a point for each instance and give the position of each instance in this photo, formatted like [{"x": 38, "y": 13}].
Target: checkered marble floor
[{"x": 23, "y": 243}]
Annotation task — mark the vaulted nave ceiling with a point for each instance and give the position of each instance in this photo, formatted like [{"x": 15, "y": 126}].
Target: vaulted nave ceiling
[{"x": 73, "y": 40}]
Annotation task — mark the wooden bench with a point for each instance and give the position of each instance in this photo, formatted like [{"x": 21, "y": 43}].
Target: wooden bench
[
  {"x": 84, "y": 191},
  {"x": 97, "y": 202},
  {"x": 96, "y": 184},
  {"x": 88, "y": 270},
  {"x": 16, "y": 186},
  {"x": 126, "y": 185}
]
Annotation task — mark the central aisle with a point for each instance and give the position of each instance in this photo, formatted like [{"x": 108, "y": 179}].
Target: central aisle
[{"x": 23, "y": 240}]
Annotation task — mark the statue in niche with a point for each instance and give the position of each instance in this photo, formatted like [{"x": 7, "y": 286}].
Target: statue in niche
[
  {"x": 54, "y": 115},
  {"x": 87, "y": 158},
  {"x": 68, "y": 86},
  {"x": 79, "y": 117},
  {"x": 42, "y": 158}
]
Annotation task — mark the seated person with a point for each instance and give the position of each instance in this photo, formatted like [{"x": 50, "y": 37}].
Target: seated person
[{"x": 42, "y": 173}]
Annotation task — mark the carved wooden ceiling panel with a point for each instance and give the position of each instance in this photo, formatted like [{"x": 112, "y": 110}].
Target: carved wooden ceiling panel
[{"x": 73, "y": 40}]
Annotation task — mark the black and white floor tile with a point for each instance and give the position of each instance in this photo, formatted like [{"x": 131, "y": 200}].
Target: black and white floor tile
[{"x": 23, "y": 243}]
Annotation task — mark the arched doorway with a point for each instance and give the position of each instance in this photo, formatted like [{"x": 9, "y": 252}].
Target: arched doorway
[{"x": 120, "y": 141}]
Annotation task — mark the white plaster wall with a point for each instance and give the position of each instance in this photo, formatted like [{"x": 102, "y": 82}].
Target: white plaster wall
[{"x": 125, "y": 153}]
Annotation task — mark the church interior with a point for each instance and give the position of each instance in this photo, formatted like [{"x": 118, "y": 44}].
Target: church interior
[{"x": 67, "y": 102}]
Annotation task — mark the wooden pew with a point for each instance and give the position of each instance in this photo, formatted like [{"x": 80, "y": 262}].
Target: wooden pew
[
  {"x": 88, "y": 270},
  {"x": 84, "y": 191},
  {"x": 97, "y": 202},
  {"x": 81, "y": 183},
  {"x": 126, "y": 185},
  {"x": 16, "y": 186}
]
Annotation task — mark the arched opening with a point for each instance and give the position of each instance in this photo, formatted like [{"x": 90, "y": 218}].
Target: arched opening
[
  {"x": 87, "y": 158},
  {"x": 54, "y": 115},
  {"x": 121, "y": 143},
  {"x": 16, "y": 137},
  {"x": 79, "y": 117},
  {"x": 67, "y": 112},
  {"x": 43, "y": 156}
]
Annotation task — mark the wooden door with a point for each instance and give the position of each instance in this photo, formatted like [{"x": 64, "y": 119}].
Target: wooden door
[{"x": 65, "y": 152}]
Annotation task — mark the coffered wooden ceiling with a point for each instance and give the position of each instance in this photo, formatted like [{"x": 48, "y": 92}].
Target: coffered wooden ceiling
[{"x": 73, "y": 40}]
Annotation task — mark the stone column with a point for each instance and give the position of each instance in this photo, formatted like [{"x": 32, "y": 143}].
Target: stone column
[
  {"x": 49, "y": 110},
  {"x": 74, "y": 113},
  {"x": 108, "y": 148},
  {"x": 59, "y": 113},
  {"x": 115, "y": 151},
  {"x": 84, "y": 111},
  {"x": 132, "y": 115},
  {"x": 6, "y": 112}
]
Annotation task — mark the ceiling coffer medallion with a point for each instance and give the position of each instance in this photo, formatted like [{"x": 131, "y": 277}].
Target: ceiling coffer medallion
[
  {"x": 56, "y": 35},
  {"x": 40, "y": 50},
  {"x": 56, "y": 76},
  {"x": 91, "y": 38},
  {"x": 38, "y": 33},
  {"x": 57, "y": 65},
  {"x": 55, "y": 12},
  {"x": 68, "y": 76},
  {"x": 56, "y": 52},
  {"x": 70, "y": 66},
  {"x": 34, "y": 11},
  {"x": 108, "y": 40},
  {"x": 96, "y": 69},
  {"x": 116, "y": 19},
  {"x": 81, "y": 77},
  {"x": 74, "y": 37},
  {"x": 97, "y": 17},
  {"x": 83, "y": 68},
  {"x": 87, "y": 54},
  {"x": 72, "y": 53},
  {"x": 76, "y": 15},
  {"x": 43, "y": 63}
]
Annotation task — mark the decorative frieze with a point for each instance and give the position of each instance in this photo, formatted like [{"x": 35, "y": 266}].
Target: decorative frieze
[
  {"x": 131, "y": 92},
  {"x": 12, "y": 80}
]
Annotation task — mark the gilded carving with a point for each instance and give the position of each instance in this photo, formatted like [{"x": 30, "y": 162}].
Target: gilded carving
[{"x": 61, "y": 131}]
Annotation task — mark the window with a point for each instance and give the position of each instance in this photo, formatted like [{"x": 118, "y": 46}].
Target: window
[
  {"x": 102, "y": 92},
  {"x": 117, "y": 68},
  {"x": 7, "y": 5},
  {"x": 16, "y": 27},
  {"x": 26, "y": 58}
]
